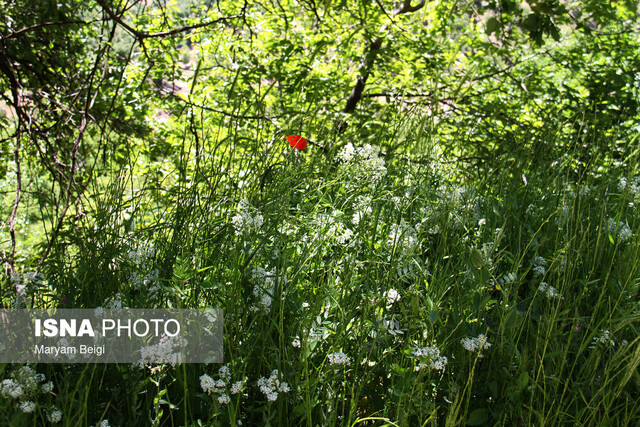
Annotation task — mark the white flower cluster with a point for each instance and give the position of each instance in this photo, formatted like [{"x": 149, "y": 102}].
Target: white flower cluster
[
  {"x": 26, "y": 385},
  {"x": 622, "y": 184},
  {"x": 604, "y": 338},
  {"x": 209, "y": 385},
  {"x": 363, "y": 163},
  {"x": 632, "y": 187},
  {"x": 288, "y": 228},
  {"x": 430, "y": 358},
  {"x": 330, "y": 227},
  {"x": 539, "y": 271},
  {"x": 296, "y": 342},
  {"x": 247, "y": 219},
  {"x": 539, "y": 262},
  {"x": 550, "y": 291},
  {"x": 619, "y": 230},
  {"x": 114, "y": 303},
  {"x": 271, "y": 386},
  {"x": 142, "y": 254},
  {"x": 487, "y": 251},
  {"x": 168, "y": 350},
  {"x": 27, "y": 406},
  {"x": 263, "y": 290},
  {"x": 338, "y": 358},
  {"x": 10, "y": 388},
  {"x": 478, "y": 343},
  {"x": 404, "y": 242},
  {"x": 55, "y": 416},
  {"x": 144, "y": 277},
  {"x": 584, "y": 190},
  {"x": 21, "y": 283},
  {"x": 362, "y": 208},
  {"x": 403, "y": 237},
  {"x": 392, "y": 297}
]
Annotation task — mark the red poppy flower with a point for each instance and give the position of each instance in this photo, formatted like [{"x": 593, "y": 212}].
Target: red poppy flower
[{"x": 296, "y": 141}]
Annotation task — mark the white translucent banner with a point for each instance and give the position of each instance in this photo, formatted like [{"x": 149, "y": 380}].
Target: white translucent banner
[{"x": 141, "y": 336}]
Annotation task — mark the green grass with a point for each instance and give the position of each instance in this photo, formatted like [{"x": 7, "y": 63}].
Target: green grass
[{"x": 542, "y": 265}]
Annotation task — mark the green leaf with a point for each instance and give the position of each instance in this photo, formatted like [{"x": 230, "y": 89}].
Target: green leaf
[
  {"x": 478, "y": 417},
  {"x": 476, "y": 258},
  {"x": 523, "y": 380},
  {"x": 510, "y": 320},
  {"x": 493, "y": 25},
  {"x": 399, "y": 369}
]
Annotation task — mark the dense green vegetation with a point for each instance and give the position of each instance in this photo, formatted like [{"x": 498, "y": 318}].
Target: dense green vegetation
[{"x": 457, "y": 245}]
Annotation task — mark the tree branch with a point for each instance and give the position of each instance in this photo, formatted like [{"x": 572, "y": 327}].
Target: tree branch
[
  {"x": 33, "y": 27},
  {"x": 365, "y": 70},
  {"x": 405, "y": 7},
  {"x": 370, "y": 57},
  {"x": 141, "y": 35}
]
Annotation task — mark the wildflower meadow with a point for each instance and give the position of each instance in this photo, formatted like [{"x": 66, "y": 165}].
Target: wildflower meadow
[{"x": 459, "y": 248}]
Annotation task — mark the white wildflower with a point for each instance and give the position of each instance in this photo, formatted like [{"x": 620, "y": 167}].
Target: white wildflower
[
  {"x": 540, "y": 261},
  {"x": 23, "y": 381},
  {"x": 225, "y": 373},
  {"x": 539, "y": 271},
  {"x": 247, "y": 219},
  {"x": 207, "y": 383},
  {"x": 27, "y": 407},
  {"x": 54, "y": 416},
  {"x": 429, "y": 357},
  {"x": 338, "y": 358},
  {"x": 10, "y": 388},
  {"x": 272, "y": 385},
  {"x": 237, "y": 387},
  {"x": 363, "y": 165},
  {"x": 622, "y": 184},
  {"x": 345, "y": 236},
  {"x": 439, "y": 364},
  {"x": 604, "y": 338},
  {"x": 362, "y": 208},
  {"x": 263, "y": 289},
  {"x": 619, "y": 230},
  {"x": 549, "y": 291},
  {"x": 478, "y": 343},
  {"x": 392, "y": 297},
  {"x": 168, "y": 350}
]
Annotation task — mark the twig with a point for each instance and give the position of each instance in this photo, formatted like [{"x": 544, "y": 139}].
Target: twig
[
  {"x": 43, "y": 24},
  {"x": 141, "y": 35}
]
